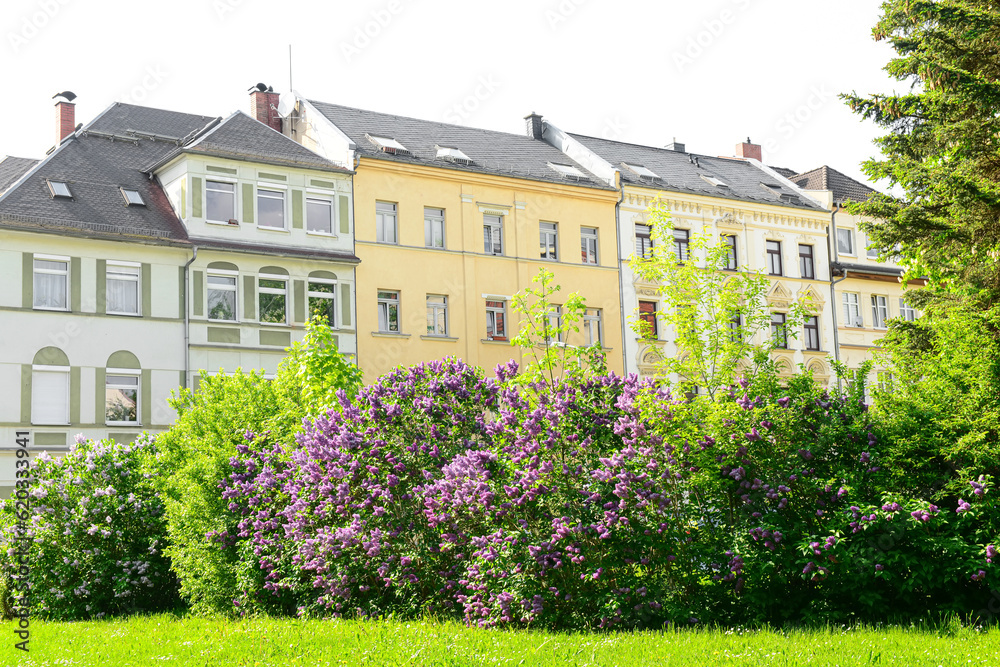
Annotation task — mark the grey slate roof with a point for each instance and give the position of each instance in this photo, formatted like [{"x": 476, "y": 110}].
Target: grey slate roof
[
  {"x": 12, "y": 168},
  {"x": 491, "y": 152},
  {"x": 686, "y": 172},
  {"x": 844, "y": 187},
  {"x": 784, "y": 171}
]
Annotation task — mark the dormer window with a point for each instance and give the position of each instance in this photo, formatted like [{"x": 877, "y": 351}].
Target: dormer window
[
  {"x": 388, "y": 145},
  {"x": 59, "y": 189},
  {"x": 568, "y": 171},
  {"x": 717, "y": 182},
  {"x": 452, "y": 154},
  {"x": 641, "y": 171},
  {"x": 132, "y": 197}
]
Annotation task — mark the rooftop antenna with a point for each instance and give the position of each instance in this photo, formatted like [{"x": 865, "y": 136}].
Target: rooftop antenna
[{"x": 289, "y": 68}]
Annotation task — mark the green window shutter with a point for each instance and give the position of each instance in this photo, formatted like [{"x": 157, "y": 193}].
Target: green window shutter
[
  {"x": 74, "y": 395},
  {"x": 296, "y": 209},
  {"x": 345, "y": 214},
  {"x": 25, "y": 394},
  {"x": 146, "y": 397},
  {"x": 196, "y": 197},
  {"x": 102, "y": 286},
  {"x": 27, "y": 281},
  {"x": 248, "y": 203},
  {"x": 345, "y": 305},
  {"x": 147, "y": 290},
  {"x": 249, "y": 298},
  {"x": 198, "y": 293},
  {"x": 300, "y": 301},
  {"x": 100, "y": 391},
  {"x": 74, "y": 284}
]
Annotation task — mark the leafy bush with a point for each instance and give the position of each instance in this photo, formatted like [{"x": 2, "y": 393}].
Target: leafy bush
[{"x": 96, "y": 534}]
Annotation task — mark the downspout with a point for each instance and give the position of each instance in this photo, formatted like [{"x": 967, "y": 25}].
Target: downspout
[
  {"x": 621, "y": 276},
  {"x": 187, "y": 316},
  {"x": 833, "y": 290}
]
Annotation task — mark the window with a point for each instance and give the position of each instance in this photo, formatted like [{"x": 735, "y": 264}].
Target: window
[
  {"x": 388, "y": 311},
  {"x": 220, "y": 201},
  {"x": 222, "y": 297},
  {"x": 319, "y": 215},
  {"x": 852, "y": 311},
  {"x": 812, "y": 333},
  {"x": 592, "y": 326},
  {"x": 437, "y": 315},
  {"x": 122, "y": 287},
  {"x": 906, "y": 311},
  {"x": 568, "y": 171},
  {"x": 49, "y": 395},
  {"x": 641, "y": 171},
  {"x": 588, "y": 245},
  {"x": 729, "y": 241},
  {"x": 51, "y": 283},
  {"x": 434, "y": 227},
  {"x": 872, "y": 250},
  {"x": 807, "y": 268},
  {"x": 388, "y": 145},
  {"x": 132, "y": 197},
  {"x": 452, "y": 154},
  {"x": 271, "y": 208},
  {"x": 385, "y": 222},
  {"x": 121, "y": 399},
  {"x": 736, "y": 328},
  {"x": 553, "y": 322},
  {"x": 880, "y": 311},
  {"x": 496, "y": 320},
  {"x": 774, "y": 258},
  {"x": 778, "y": 333},
  {"x": 644, "y": 241},
  {"x": 845, "y": 241},
  {"x": 492, "y": 235},
  {"x": 548, "y": 240},
  {"x": 59, "y": 189},
  {"x": 272, "y": 299},
  {"x": 323, "y": 301},
  {"x": 647, "y": 313},
  {"x": 682, "y": 239}
]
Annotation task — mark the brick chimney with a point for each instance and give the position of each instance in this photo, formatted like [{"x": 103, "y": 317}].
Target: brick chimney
[
  {"x": 65, "y": 120},
  {"x": 748, "y": 149},
  {"x": 533, "y": 124},
  {"x": 264, "y": 106}
]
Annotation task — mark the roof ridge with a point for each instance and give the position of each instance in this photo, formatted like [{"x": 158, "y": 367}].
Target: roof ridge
[{"x": 656, "y": 148}]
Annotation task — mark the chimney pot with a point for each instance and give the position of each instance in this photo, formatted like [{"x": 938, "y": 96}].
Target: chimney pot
[
  {"x": 65, "y": 120},
  {"x": 747, "y": 149},
  {"x": 533, "y": 124},
  {"x": 264, "y": 107}
]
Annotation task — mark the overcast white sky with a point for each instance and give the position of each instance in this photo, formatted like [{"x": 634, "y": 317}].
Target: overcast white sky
[{"x": 710, "y": 73}]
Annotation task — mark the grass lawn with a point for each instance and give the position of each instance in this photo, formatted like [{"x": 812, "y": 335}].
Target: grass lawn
[{"x": 168, "y": 640}]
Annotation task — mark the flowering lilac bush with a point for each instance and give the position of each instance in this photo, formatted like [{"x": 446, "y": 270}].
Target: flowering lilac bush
[{"x": 96, "y": 534}]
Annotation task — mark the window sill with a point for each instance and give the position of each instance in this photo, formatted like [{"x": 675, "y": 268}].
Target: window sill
[
  {"x": 222, "y": 223},
  {"x": 325, "y": 235},
  {"x": 124, "y": 424},
  {"x": 111, "y": 312},
  {"x": 234, "y": 322},
  {"x": 449, "y": 339},
  {"x": 282, "y": 325},
  {"x": 389, "y": 334},
  {"x": 283, "y": 230},
  {"x": 51, "y": 310},
  {"x": 495, "y": 341}
]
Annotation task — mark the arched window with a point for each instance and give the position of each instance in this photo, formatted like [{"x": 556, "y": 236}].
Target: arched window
[
  {"x": 323, "y": 296},
  {"x": 50, "y": 387},
  {"x": 121, "y": 389}
]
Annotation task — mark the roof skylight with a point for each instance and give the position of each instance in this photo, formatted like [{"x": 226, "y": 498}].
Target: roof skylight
[
  {"x": 59, "y": 189},
  {"x": 568, "y": 171},
  {"x": 642, "y": 171},
  {"x": 388, "y": 145},
  {"x": 132, "y": 197},
  {"x": 717, "y": 182},
  {"x": 452, "y": 154}
]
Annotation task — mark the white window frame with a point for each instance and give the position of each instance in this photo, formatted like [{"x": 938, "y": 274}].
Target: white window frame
[
  {"x": 223, "y": 273},
  {"x": 382, "y": 218},
  {"x": 592, "y": 322},
  {"x": 65, "y": 372},
  {"x": 852, "y": 310},
  {"x": 123, "y": 372},
  {"x": 880, "y": 311},
  {"x": 283, "y": 291},
  {"x": 51, "y": 272},
  {"x": 851, "y": 241},
  {"x": 331, "y": 296},
  {"x": 554, "y": 320},
  {"x": 548, "y": 237},
  {"x": 223, "y": 181},
  {"x": 589, "y": 242},
  {"x": 644, "y": 241},
  {"x": 495, "y": 224},
  {"x": 732, "y": 254},
  {"x": 126, "y": 277},
  {"x": 384, "y": 303},
  {"x": 434, "y": 218},
  {"x": 266, "y": 193},
  {"x": 434, "y": 310},
  {"x": 325, "y": 200},
  {"x": 491, "y": 312},
  {"x": 907, "y": 312}
]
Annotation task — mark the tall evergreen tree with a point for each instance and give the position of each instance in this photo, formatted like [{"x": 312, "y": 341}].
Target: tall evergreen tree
[{"x": 942, "y": 152}]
